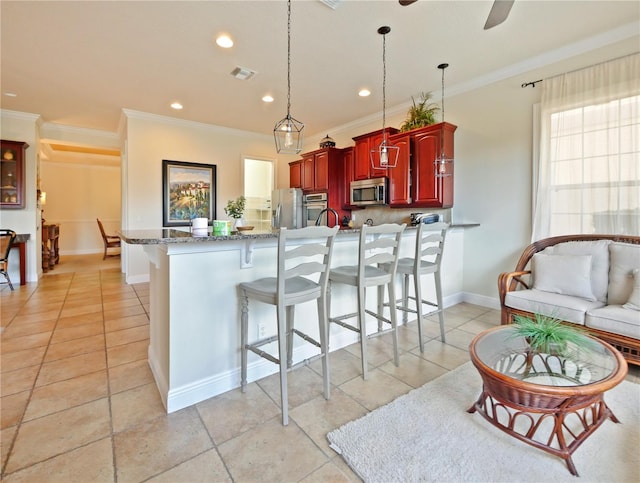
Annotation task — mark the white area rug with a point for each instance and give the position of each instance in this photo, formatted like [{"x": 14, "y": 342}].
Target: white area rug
[{"x": 427, "y": 435}]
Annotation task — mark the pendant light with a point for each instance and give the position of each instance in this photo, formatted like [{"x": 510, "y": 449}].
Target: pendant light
[
  {"x": 384, "y": 156},
  {"x": 288, "y": 132},
  {"x": 444, "y": 164}
]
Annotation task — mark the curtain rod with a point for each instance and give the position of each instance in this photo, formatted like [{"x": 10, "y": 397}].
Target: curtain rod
[{"x": 533, "y": 83}]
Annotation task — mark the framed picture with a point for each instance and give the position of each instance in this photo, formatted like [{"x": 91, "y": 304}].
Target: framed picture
[{"x": 188, "y": 191}]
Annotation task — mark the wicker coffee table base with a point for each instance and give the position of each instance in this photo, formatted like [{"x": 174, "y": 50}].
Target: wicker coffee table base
[{"x": 544, "y": 428}]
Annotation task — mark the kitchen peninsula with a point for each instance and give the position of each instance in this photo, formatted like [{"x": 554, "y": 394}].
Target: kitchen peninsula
[{"x": 194, "y": 347}]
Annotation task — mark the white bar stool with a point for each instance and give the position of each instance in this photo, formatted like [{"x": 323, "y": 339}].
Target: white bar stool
[
  {"x": 428, "y": 257},
  {"x": 377, "y": 261},
  {"x": 301, "y": 253}
]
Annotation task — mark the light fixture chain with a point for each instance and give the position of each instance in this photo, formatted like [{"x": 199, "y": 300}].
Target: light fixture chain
[
  {"x": 384, "y": 80},
  {"x": 443, "y": 94},
  {"x": 288, "y": 58}
]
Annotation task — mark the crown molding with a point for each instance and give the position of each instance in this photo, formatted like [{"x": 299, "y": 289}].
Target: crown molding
[
  {"x": 131, "y": 114},
  {"x": 584, "y": 46},
  {"x": 25, "y": 116}
]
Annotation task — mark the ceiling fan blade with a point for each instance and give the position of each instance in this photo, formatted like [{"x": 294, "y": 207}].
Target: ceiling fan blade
[
  {"x": 404, "y": 3},
  {"x": 499, "y": 13}
]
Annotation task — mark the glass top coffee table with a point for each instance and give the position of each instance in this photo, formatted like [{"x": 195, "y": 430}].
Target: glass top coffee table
[{"x": 551, "y": 401}]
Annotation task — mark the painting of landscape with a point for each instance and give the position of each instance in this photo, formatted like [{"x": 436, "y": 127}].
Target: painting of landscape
[{"x": 188, "y": 192}]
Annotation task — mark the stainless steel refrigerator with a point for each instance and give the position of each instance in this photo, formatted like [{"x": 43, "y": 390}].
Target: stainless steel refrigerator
[{"x": 286, "y": 208}]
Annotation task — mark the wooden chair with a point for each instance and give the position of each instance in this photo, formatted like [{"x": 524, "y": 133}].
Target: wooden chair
[
  {"x": 110, "y": 241},
  {"x": 301, "y": 253},
  {"x": 7, "y": 237}
]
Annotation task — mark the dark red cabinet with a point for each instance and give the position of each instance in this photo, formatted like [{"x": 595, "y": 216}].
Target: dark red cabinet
[{"x": 12, "y": 155}]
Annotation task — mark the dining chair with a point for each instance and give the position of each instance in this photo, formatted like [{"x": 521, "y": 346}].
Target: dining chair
[
  {"x": 378, "y": 250},
  {"x": 302, "y": 253},
  {"x": 7, "y": 237},
  {"x": 427, "y": 260},
  {"x": 110, "y": 241}
]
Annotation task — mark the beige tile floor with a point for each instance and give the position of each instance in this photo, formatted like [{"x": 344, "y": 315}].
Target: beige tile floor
[{"x": 79, "y": 402}]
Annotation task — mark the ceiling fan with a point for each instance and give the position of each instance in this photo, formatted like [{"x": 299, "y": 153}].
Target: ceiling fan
[{"x": 498, "y": 13}]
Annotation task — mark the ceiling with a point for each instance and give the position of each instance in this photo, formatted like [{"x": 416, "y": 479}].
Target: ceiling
[{"x": 81, "y": 63}]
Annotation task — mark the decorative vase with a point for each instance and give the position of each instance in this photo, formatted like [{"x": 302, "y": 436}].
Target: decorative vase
[{"x": 237, "y": 222}]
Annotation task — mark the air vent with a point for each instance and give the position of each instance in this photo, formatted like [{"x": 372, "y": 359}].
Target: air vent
[
  {"x": 333, "y": 4},
  {"x": 243, "y": 73}
]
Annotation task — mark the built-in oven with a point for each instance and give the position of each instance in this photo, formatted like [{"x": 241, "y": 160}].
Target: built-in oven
[
  {"x": 312, "y": 205},
  {"x": 369, "y": 192}
]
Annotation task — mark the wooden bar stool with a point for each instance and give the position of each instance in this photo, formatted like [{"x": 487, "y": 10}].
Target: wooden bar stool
[
  {"x": 301, "y": 253},
  {"x": 428, "y": 257},
  {"x": 377, "y": 261}
]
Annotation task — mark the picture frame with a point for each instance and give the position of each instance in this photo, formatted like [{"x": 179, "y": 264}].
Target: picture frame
[{"x": 188, "y": 191}]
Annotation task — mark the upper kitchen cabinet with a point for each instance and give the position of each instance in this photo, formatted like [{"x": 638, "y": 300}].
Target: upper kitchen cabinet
[
  {"x": 429, "y": 189},
  {"x": 400, "y": 177},
  {"x": 362, "y": 168},
  {"x": 314, "y": 172},
  {"x": 347, "y": 176},
  {"x": 295, "y": 174},
  {"x": 12, "y": 174}
]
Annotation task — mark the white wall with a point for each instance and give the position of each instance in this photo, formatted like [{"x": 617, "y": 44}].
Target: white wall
[
  {"x": 150, "y": 139},
  {"x": 21, "y": 126},
  {"x": 77, "y": 194}
]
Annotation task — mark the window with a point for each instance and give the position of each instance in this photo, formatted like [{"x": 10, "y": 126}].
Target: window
[{"x": 589, "y": 167}]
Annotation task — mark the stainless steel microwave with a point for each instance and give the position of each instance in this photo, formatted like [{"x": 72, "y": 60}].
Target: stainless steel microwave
[{"x": 369, "y": 192}]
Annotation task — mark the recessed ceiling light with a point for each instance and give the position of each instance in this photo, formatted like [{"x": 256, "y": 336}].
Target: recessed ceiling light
[
  {"x": 11, "y": 94},
  {"x": 364, "y": 93},
  {"x": 224, "y": 41},
  {"x": 176, "y": 105},
  {"x": 267, "y": 98}
]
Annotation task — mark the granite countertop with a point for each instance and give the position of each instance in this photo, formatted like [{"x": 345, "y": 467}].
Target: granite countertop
[{"x": 171, "y": 235}]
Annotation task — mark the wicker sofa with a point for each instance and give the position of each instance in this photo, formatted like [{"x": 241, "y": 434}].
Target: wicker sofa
[{"x": 590, "y": 280}]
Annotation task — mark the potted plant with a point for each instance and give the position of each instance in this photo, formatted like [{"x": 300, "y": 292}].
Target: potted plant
[
  {"x": 420, "y": 114},
  {"x": 547, "y": 334},
  {"x": 235, "y": 209}
]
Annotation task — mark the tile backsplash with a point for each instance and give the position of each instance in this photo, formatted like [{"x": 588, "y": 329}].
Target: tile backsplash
[{"x": 384, "y": 214}]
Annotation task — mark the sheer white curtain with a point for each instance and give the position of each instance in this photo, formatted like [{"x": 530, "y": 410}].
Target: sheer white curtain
[{"x": 588, "y": 171}]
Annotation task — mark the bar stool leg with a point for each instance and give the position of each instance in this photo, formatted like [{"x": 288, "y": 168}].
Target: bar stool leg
[
  {"x": 418, "y": 288},
  {"x": 362, "y": 326},
  {"x": 290, "y": 316},
  {"x": 283, "y": 357},
  {"x": 405, "y": 298},
  {"x": 324, "y": 345},
  {"x": 380, "y": 306},
  {"x": 394, "y": 321},
  {"x": 440, "y": 307},
  {"x": 244, "y": 325}
]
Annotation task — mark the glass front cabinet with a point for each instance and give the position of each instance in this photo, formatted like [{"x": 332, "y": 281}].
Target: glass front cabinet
[{"x": 12, "y": 174}]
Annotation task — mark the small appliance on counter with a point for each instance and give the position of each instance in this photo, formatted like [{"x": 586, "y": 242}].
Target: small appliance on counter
[{"x": 417, "y": 218}]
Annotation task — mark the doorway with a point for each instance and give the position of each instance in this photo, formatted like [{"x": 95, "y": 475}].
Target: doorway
[{"x": 258, "y": 180}]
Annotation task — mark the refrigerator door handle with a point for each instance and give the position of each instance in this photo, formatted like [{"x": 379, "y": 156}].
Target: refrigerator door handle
[{"x": 276, "y": 221}]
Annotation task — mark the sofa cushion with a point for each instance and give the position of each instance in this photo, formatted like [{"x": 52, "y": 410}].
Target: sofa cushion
[
  {"x": 565, "y": 307},
  {"x": 599, "y": 251},
  {"x": 633, "y": 302},
  {"x": 625, "y": 258},
  {"x": 563, "y": 274},
  {"x": 616, "y": 319}
]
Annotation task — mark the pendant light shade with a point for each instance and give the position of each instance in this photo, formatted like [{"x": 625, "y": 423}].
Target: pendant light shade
[
  {"x": 443, "y": 163},
  {"x": 385, "y": 155},
  {"x": 288, "y": 132}
]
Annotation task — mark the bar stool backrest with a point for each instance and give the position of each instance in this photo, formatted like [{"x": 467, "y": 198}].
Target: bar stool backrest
[
  {"x": 379, "y": 245},
  {"x": 312, "y": 255},
  {"x": 430, "y": 243}
]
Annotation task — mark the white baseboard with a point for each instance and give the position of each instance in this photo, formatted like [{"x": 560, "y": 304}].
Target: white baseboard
[{"x": 189, "y": 394}]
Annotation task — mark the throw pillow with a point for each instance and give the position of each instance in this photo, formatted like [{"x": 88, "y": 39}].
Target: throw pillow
[
  {"x": 634, "y": 298},
  {"x": 563, "y": 274}
]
